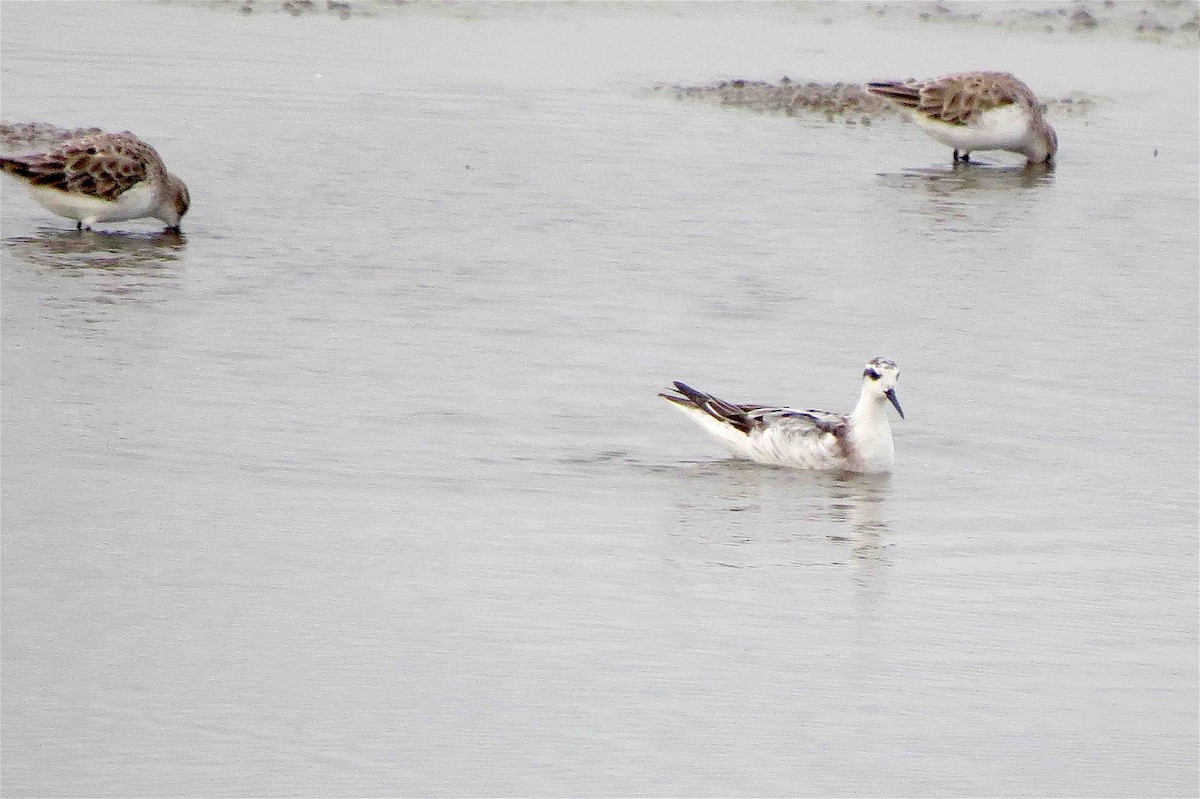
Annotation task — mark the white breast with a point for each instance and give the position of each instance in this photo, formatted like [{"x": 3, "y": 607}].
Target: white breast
[
  {"x": 1004, "y": 128},
  {"x": 135, "y": 203}
]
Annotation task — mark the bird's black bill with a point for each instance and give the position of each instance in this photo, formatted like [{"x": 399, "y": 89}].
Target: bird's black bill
[{"x": 891, "y": 395}]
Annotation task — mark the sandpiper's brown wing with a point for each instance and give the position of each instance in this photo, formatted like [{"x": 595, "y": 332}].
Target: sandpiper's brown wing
[
  {"x": 956, "y": 99},
  {"x": 103, "y": 165}
]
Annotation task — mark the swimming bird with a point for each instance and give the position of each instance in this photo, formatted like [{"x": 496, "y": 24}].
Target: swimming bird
[
  {"x": 972, "y": 111},
  {"x": 102, "y": 177},
  {"x": 860, "y": 441}
]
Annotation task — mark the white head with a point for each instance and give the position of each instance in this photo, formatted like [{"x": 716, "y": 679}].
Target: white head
[
  {"x": 879, "y": 381},
  {"x": 174, "y": 202},
  {"x": 1043, "y": 143}
]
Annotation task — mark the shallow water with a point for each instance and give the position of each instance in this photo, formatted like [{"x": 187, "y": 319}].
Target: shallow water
[{"x": 360, "y": 486}]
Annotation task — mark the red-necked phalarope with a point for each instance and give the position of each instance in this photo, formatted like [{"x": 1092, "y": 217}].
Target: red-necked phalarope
[{"x": 860, "y": 441}]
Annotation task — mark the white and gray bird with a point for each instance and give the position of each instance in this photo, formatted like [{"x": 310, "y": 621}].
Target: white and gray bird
[
  {"x": 860, "y": 441},
  {"x": 102, "y": 177},
  {"x": 972, "y": 111}
]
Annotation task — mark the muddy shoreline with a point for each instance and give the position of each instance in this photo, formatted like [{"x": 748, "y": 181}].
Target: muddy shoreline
[
  {"x": 838, "y": 100},
  {"x": 1170, "y": 22}
]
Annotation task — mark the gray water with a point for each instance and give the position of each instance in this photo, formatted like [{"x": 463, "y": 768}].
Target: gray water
[{"x": 361, "y": 487}]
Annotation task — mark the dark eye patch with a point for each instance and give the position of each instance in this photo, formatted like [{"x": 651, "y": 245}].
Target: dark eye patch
[{"x": 871, "y": 373}]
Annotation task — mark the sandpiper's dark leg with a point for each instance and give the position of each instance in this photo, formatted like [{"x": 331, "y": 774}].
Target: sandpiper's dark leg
[
  {"x": 956, "y": 156},
  {"x": 966, "y": 157},
  {"x": 79, "y": 224}
]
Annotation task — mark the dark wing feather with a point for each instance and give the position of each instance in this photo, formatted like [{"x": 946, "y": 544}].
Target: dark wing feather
[
  {"x": 823, "y": 421},
  {"x": 747, "y": 417},
  {"x": 899, "y": 93},
  {"x": 103, "y": 165},
  {"x": 956, "y": 99},
  {"x": 727, "y": 412}
]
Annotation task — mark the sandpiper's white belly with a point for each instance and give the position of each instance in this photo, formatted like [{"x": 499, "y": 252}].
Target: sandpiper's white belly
[
  {"x": 135, "y": 203},
  {"x": 1004, "y": 128}
]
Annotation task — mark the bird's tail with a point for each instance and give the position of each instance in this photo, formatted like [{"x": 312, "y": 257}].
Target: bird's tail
[
  {"x": 17, "y": 166},
  {"x": 896, "y": 91},
  {"x": 690, "y": 399}
]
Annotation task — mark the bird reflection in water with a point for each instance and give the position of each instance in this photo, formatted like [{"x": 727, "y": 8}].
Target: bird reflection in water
[
  {"x": 59, "y": 248},
  {"x": 857, "y": 502},
  {"x": 121, "y": 264},
  {"x": 946, "y": 181},
  {"x": 775, "y": 506},
  {"x": 951, "y": 195}
]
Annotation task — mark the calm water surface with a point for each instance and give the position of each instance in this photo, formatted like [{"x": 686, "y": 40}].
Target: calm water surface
[{"x": 361, "y": 487}]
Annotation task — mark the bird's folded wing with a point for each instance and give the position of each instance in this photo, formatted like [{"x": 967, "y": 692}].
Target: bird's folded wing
[
  {"x": 98, "y": 166},
  {"x": 796, "y": 421}
]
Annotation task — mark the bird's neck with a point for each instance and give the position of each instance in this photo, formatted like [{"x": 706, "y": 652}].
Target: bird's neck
[
  {"x": 870, "y": 432},
  {"x": 870, "y": 410}
]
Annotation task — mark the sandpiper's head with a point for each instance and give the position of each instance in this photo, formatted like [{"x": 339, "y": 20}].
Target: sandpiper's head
[
  {"x": 879, "y": 378},
  {"x": 175, "y": 202},
  {"x": 1043, "y": 143}
]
